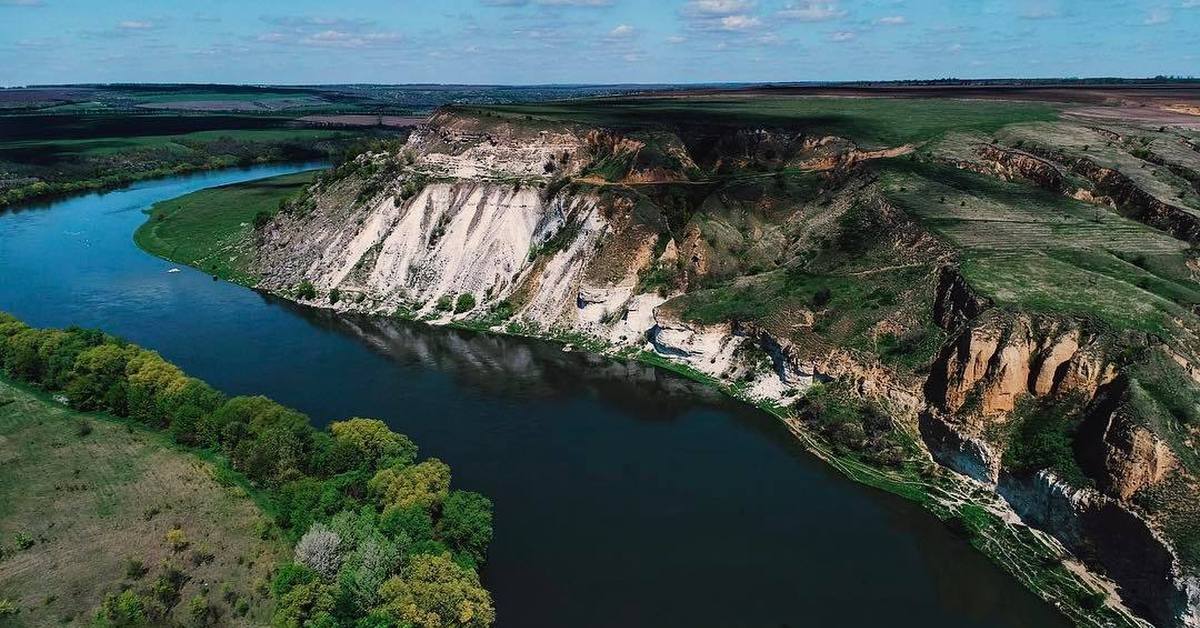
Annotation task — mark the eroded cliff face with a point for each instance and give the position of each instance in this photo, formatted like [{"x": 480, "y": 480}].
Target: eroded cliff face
[
  {"x": 526, "y": 219},
  {"x": 989, "y": 383}
]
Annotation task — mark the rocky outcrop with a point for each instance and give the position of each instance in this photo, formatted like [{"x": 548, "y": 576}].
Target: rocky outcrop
[
  {"x": 955, "y": 301},
  {"x": 1106, "y": 534},
  {"x": 997, "y": 360},
  {"x": 1009, "y": 164},
  {"x": 1139, "y": 204},
  {"x": 1122, "y": 455}
]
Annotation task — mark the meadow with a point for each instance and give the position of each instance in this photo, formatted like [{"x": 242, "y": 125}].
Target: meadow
[
  {"x": 211, "y": 229},
  {"x": 89, "y": 503}
]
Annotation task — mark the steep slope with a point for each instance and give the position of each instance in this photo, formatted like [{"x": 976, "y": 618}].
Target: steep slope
[{"x": 960, "y": 296}]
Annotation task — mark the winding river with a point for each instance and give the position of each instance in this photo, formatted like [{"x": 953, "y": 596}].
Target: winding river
[{"x": 625, "y": 496}]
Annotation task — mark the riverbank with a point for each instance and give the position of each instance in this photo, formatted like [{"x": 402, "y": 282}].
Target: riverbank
[
  {"x": 973, "y": 512},
  {"x": 627, "y": 461},
  {"x": 370, "y": 525}
]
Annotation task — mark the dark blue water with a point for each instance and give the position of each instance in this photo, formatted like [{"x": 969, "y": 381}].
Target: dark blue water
[{"x": 624, "y": 496}]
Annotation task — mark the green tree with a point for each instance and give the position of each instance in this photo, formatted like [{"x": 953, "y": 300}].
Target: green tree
[
  {"x": 98, "y": 381},
  {"x": 306, "y": 290},
  {"x": 372, "y": 444},
  {"x": 435, "y": 592},
  {"x": 466, "y": 524},
  {"x": 424, "y": 485},
  {"x": 304, "y": 603}
]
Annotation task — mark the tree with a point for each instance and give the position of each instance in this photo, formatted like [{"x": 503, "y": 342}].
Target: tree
[
  {"x": 149, "y": 378},
  {"x": 289, "y": 576},
  {"x": 98, "y": 381},
  {"x": 434, "y": 592},
  {"x": 422, "y": 485},
  {"x": 367, "y": 567},
  {"x": 187, "y": 408},
  {"x": 466, "y": 524},
  {"x": 264, "y": 439},
  {"x": 414, "y": 524},
  {"x": 320, "y": 549},
  {"x": 304, "y": 603},
  {"x": 372, "y": 443}
]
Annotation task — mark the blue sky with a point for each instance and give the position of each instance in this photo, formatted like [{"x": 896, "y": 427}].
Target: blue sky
[{"x": 589, "y": 41}]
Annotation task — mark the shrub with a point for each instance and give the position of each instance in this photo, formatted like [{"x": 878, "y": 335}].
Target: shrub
[
  {"x": 262, "y": 219},
  {"x": 199, "y": 611},
  {"x": 445, "y": 303},
  {"x": 135, "y": 569},
  {"x": 465, "y": 303},
  {"x": 123, "y": 609},
  {"x": 83, "y": 428},
  {"x": 7, "y": 608},
  {"x": 335, "y": 295},
  {"x": 177, "y": 539},
  {"x": 306, "y": 290}
]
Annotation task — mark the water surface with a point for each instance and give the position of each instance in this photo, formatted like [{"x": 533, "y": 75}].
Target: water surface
[{"x": 625, "y": 496}]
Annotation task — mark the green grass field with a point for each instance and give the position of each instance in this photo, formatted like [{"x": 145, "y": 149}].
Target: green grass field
[
  {"x": 1038, "y": 251},
  {"x": 213, "y": 229},
  {"x": 84, "y": 497},
  {"x": 869, "y": 121}
]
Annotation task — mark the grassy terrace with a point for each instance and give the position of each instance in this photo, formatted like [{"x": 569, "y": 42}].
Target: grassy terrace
[
  {"x": 1039, "y": 251},
  {"x": 210, "y": 229},
  {"x": 87, "y": 502},
  {"x": 870, "y": 121}
]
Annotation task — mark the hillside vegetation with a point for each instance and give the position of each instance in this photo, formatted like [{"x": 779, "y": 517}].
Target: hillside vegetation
[{"x": 377, "y": 538}]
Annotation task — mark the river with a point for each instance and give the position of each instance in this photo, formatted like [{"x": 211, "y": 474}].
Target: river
[{"x": 625, "y": 496}]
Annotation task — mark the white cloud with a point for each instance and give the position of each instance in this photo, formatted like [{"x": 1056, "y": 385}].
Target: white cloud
[
  {"x": 892, "y": 20},
  {"x": 135, "y": 25},
  {"x": 623, "y": 31},
  {"x": 22, "y": 3},
  {"x": 676, "y": 39},
  {"x": 739, "y": 22},
  {"x": 721, "y": 15},
  {"x": 717, "y": 8},
  {"x": 811, "y": 11}
]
